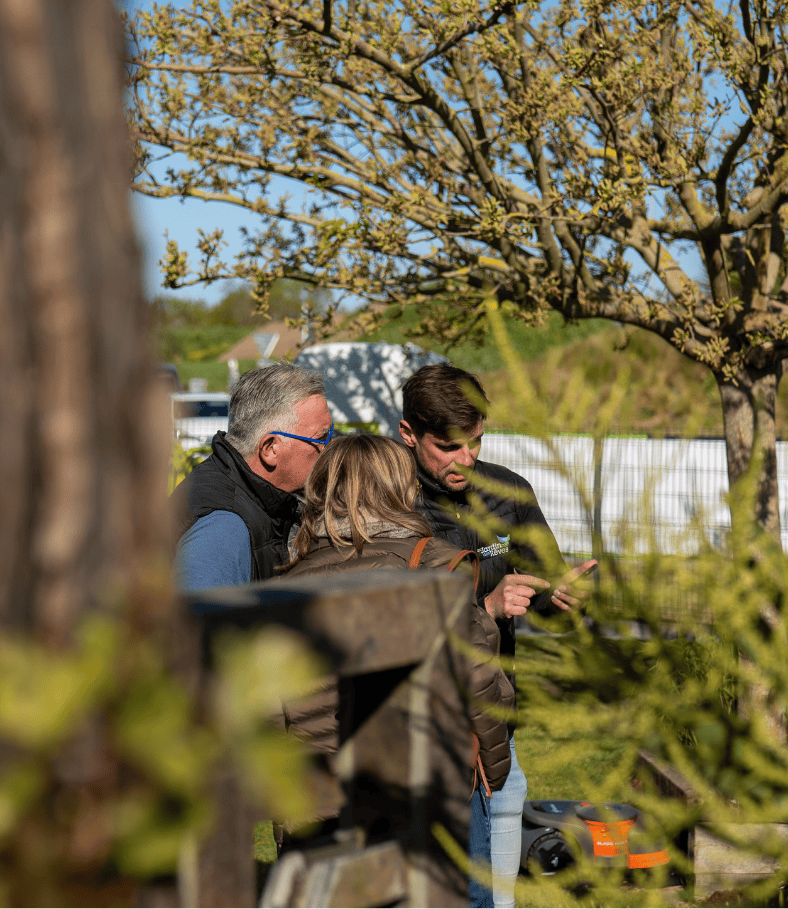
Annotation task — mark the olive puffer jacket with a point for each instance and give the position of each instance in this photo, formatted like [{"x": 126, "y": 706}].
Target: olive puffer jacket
[{"x": 314, "y": 718}]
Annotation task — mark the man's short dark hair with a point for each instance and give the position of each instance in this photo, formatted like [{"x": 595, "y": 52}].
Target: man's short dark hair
[{"x": 435, "y": 399}]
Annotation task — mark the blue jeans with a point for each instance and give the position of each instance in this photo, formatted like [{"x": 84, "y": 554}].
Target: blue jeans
[
  {"x": 507, "y": 832},
  {"x": 479, "y": 896}
]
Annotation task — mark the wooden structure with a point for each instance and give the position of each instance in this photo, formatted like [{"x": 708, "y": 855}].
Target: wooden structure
[
  {"x": 718, "y": 863},
  {"x": 404, "y": 740}
]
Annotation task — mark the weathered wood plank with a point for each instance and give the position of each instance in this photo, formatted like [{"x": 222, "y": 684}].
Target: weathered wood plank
[
  {"x": 667, "y": 780},
  {"x": 362, "y": 621},
  {"x": 721, "y": 865},
  {"x": 376, "y": 876},
  {"x": 404, "y": 729}
]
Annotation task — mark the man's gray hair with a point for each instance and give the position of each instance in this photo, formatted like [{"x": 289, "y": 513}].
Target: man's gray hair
[{"x": 265, "y": 399}]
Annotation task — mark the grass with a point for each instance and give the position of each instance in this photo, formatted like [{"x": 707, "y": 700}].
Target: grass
[
  {"x": 194, "y": 344},
  {"x": 556, "y": 772},
  {"x": 194, "y": 350},
  {"x": 530, "y": 342},
  {"x": 667, "y": 394},
  {"x": 557, "y": 765},
  {"x": 216, "y": 374},
  {"x": 264, "y": 845},
  {"x": 556, "y": 768},
  {"x": 551, "y": 773}
]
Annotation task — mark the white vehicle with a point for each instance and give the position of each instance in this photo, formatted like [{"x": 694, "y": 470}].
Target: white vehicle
[
  {"x": 364, "y": 380},
  {"x": 198, "y": 416}
]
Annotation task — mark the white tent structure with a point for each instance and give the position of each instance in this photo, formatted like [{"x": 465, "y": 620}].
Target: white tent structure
[{"x": 364, "y": 381}]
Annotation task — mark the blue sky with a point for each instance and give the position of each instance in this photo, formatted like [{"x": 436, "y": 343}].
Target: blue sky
[{"x": 181, "y": 218}]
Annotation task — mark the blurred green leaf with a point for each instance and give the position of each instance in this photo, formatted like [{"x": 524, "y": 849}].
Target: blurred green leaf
[
  {"x": 20, "y": 785},
  {"x": 155, "y": 730},
  {"x": 151, "y": 833},
  {"x": 258, "y": 671},
  {"x": 275, "y": 767},
  {"x": 43, "y": 695}
]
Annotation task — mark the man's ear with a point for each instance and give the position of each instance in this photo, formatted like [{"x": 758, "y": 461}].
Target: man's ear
[
  {"x": 408, "y": 435},
  {"x": 269, "y": 451}
]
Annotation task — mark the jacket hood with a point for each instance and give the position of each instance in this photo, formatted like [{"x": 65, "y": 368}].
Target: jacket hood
[{"x": 373, "y": 528}]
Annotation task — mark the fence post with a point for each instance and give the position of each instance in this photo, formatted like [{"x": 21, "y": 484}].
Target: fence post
[
  {"x": 404, "y": 734},
  {"x": 597, "y": 543}
]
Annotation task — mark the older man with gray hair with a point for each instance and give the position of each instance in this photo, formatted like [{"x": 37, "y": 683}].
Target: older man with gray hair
[{"x": 236, "y": 509}]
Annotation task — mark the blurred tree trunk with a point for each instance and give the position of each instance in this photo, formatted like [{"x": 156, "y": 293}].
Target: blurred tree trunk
[
  {"x": 78, "y": 464},
  {"x": 82, "y": 465}
]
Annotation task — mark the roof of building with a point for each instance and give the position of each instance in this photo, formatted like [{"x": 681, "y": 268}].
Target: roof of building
[{"x": 247, "y": 349}]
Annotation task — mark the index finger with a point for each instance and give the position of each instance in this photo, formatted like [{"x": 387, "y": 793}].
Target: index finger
[
  {"x": 578, "y": 572},
  {"x": 530, "y": 580}
]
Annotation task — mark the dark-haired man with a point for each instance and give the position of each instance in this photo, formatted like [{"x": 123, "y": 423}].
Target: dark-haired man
[
  {"x": 442, "y": 423},
  {"x": 237, "y": 508}
]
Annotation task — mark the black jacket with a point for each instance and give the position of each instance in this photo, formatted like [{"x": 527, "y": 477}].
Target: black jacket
[
  {"x": 224, "y": 482},
  {"x": 540, "y": 557}
]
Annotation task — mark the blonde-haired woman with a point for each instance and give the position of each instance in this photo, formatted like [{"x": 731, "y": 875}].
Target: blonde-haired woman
[
  {"x": 359, "y": 511},
  {"x": 360, "y": 514}
]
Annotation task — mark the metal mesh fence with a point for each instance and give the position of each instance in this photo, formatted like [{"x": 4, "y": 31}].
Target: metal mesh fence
[{"x": 643, "y": 495}]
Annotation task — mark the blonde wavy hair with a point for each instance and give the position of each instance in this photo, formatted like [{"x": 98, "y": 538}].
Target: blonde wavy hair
[{"x": 358, "y": 481}]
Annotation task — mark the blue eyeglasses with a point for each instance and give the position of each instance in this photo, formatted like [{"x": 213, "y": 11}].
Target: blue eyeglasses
[{"x": 289, "y": 435}]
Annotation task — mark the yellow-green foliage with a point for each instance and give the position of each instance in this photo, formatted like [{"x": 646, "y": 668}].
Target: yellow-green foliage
[
  {"x": 701, "y": 697},
  {"x": 136, "y": 824},
  {"x": 183, "y": 461},
  {"x": 706, "y": 691}
]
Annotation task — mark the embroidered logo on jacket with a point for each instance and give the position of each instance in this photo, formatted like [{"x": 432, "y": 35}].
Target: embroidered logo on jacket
[{"x": 495, "y": 549}]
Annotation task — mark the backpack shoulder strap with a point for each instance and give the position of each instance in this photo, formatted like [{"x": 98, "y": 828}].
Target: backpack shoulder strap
[
  {"x": 464, "y": 554},
  {"x": 418, "y": 551}
]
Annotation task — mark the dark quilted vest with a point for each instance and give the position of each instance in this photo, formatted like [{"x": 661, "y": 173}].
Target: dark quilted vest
[{"x": 224, "y": 482}]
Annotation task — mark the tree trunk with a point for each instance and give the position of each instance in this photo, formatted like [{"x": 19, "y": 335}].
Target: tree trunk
[
  {"x": 79, "y": 465},
  {"x": 748, "y": 410},
  {"x": 84, "y": 434}
]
